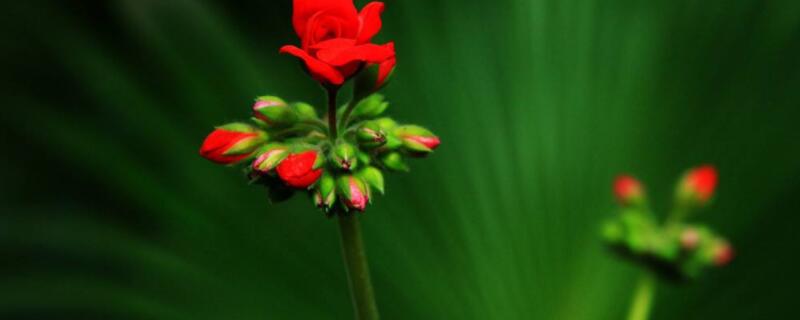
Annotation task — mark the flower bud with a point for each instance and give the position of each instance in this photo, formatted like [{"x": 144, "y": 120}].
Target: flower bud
[
  {"x": 370, "y": 107},
  {"x": 723, "y": 253},
  {"x": 232, "y": 143},
  {"x": 628, "y": 190},
  {"x": 355, "y": 194},
  {"x": 344, "y": 156},
  {"x": 373, "y": 177},
  {"x": 370, "y": 135},
  {"x": 690, "y": 238},
  {"x": 271, "y": 156},
  {"x": 274, "y": 111},
  {"x": 417, "y": 140},
  {"x": 297, "y": 170},
  {"x": 376, "y": 76},
  {"x": 394, "y": 161},
  {"x": 325, "y": 195},
  {"x": 305, "y": 111},
  {"x": 697, "y": 185}
]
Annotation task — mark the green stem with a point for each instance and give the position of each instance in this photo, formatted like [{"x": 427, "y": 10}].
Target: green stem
[
  {"x": 355, "y": 261},
  {"x": 643, "y": 298},
  {"x": 332, "y": 92}
]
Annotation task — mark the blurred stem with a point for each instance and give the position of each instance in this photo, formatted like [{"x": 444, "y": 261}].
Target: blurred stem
[
  {"x": 332, "y": 92},
  {"x": 355, "y": 261},
  {"x": 643, "y": 298}
]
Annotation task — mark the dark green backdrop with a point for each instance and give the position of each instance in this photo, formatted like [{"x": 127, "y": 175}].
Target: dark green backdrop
[{"x": 109, "y": 213}]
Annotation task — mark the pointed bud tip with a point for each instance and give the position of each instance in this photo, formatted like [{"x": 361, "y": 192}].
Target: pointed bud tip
[
  {"x": 723, "y": 254},
  {"x": 701, "y": 181},
  {"x": 690, "y": 238}
]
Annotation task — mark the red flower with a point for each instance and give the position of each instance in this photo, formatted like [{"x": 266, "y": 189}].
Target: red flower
[
  {"x": 700, "y": 183},
  {"x": 335, "y": 38},
  {"x": 297, "y": 170},
  {"x": 627, "y": 189},
  {"x": 226, "y": 146}
]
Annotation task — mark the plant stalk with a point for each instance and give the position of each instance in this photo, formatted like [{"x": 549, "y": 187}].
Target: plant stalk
[
  {"x": 643, "y": 298},
  {"x": 355, "y": 261},
  {"x": 332, "y": 125}
]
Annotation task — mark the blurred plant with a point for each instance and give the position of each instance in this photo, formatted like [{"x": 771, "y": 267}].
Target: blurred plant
[
  {"x": 673, "y": 250},
  {"x": 339, "y": 164}
]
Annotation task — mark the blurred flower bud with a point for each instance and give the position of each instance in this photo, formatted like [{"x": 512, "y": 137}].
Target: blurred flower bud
[
  {"x": 723, "y": 253},
  {"x": 325, "y": 195},
  {"x": 344, "y": 156},
  {"x": 373, "y": 177},
  {"x": 274, "y": 111},
  {"x": 355, "y": 194},
  {"x": 270, "y": 157},
  {"x": 697, "y": 185},
  {"x": 417, "y": 140},
  {"x": 370, "y": 135},
  {"x": 628, "y": 190},
  {"x": 232, "y": 143},
  {"x": 305, "y": 111},
  {"x": 690, "y": 238},
  {"x": 394, "y": 161},
  {"x": 297, "y": 170}
]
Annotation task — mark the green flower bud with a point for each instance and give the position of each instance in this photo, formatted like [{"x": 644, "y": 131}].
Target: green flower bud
[
  {"x": 373, "y": 177},
  {"x": 394, "y": 161},
  {"x": 325, "y": 194},
  {"x": 270, "y": 157},
  {"x": 273, "y": 111},
  {"x": 370, "y": 107},
  {"x": 370, "y": 135},
  {"x": 305, "y": 111},
  {"x": 344, "y": 156},
  {"x": 417, "y": 140}
]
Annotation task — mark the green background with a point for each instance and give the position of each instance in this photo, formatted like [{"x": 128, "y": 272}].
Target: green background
[{"x": 109, "y": 213}]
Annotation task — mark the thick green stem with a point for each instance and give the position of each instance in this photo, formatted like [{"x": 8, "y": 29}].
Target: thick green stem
[
  {"x": 355, "y": 261},
  {"x": 643, "y": 298}
]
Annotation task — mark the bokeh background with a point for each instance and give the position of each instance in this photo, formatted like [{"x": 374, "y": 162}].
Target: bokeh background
[{"x": 109, "y": 213}]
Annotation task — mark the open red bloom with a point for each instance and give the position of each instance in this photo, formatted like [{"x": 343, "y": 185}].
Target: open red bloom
[
  {"x": 226, "y": 146},
  {"x": 297, "y": 170},
  {"x": 335, "y": 38}
]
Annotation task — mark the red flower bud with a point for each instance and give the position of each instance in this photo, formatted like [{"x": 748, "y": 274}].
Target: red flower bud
[
  {"x": 416, "y": 139},
  {"x": 230, "y": 145},
  {"x": 297, "y": 170},
  {"x": 270, "y": 158},
  {"x": 699, "y": 183},
  {"x": 355, "y": 192},
  {"x": 690, "y": 238},
  {"x": 723, "y": 254},
  {"x": 627, "y": 190}
]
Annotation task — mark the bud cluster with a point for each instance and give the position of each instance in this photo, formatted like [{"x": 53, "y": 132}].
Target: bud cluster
[
  {"x": 673, "y": 249},
  {"x": 287, "y": 148}
]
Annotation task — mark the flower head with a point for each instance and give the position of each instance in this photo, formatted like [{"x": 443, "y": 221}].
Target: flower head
[{"x": 335, "y": 38}]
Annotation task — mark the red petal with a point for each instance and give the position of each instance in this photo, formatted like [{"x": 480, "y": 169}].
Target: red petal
[
  {"x": 319, "y": 70},
  {"x": 384, "y": 70},
  {"x": 297, "y": 170},
  {"x": 342, "y": 9},
  {"x": 219, "y": 141},
  {"x": 370, "y": 53},
  {"x": 369, "y": 21}
]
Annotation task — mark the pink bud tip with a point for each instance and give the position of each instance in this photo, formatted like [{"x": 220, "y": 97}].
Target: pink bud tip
[
  {"x": 702, "y": 181},
  {"x": 431, "y": 142},
  {"x": 358, "y": 200},
  {"x": 690, "y": 238},
  {"x": 260, "y": 104},
  {"x": 626, "y": 189}
]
